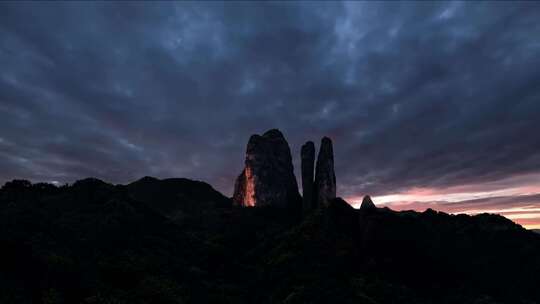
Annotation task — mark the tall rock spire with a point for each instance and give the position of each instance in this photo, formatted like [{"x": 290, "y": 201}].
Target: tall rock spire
[
  {"x": 268, "y": 177},
  {"x": 325, "y": 178},
  {"x": 308, "y": 163}
]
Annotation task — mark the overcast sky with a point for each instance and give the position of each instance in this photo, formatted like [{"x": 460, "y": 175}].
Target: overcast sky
[{"x": 424, "y": 101}]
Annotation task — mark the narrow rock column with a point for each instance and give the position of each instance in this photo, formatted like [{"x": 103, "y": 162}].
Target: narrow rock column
[
  {"x": 325, "y": 178},
  {"x": 308, "y": 165}
]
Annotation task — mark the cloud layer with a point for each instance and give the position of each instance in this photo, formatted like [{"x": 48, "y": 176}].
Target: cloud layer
[{"x": 423, "y": 95}]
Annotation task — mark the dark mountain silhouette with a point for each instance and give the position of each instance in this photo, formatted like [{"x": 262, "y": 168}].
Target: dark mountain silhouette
[
  {"x": 181, "y": 241},
  {"x": 176, "y": 197},
  {"x": 367, "y": 203},
  {"x": 94, "y": 242}
]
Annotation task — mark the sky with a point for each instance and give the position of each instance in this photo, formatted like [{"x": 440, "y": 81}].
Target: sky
[{"x": 429, "y": 104}]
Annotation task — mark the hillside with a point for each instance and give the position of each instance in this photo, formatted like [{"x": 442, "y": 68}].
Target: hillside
[{"x": 94, "y": 242}]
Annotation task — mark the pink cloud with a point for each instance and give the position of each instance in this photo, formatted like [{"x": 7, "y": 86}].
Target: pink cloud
[{"x": 516, "y": 197}]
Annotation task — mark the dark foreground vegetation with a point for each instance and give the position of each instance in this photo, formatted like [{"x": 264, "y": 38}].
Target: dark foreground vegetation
[{"x": 180, "y": 241}]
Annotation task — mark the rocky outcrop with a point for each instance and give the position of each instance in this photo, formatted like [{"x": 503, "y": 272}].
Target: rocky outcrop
[
  {"x": 308, "y": 166},
  {"x": 268, "y": 176},
  {"x": 367, "y": 204},
  {"x": 325, "y": 178}
]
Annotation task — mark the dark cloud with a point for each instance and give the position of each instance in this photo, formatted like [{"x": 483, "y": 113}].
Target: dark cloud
[{"x": 414, "y": 95}]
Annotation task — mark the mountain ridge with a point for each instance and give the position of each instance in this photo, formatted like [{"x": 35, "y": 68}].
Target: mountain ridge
[{"x": 94, "y": 242}]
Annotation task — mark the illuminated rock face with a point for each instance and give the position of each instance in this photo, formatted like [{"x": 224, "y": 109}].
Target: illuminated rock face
[
  {"x": 325, "y": 178},
  {"x": 249, "y": 188},
  {"x": 268, "y": 176},
  {"x": 308, "y": 166}
]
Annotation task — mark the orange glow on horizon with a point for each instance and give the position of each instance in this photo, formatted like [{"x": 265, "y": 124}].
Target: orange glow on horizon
[{"x": 509, "y": 197}]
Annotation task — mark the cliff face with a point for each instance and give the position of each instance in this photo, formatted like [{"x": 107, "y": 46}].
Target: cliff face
[
  {"x": 268, "y": 176},
  {"x": 325, "y": 178}
]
